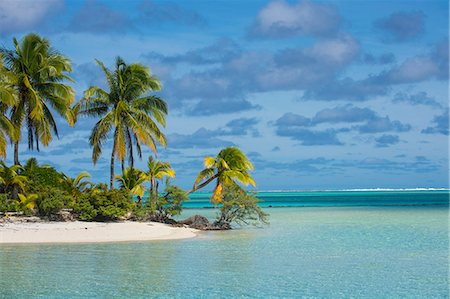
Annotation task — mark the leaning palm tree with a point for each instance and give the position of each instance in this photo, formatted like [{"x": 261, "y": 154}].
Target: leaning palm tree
[
  {"x": 75, "y": 186},
  {"x": 132, "y": 180},
  {"x": 124, "y": 110},
  {"x": 229, "y": 166},
  {"x": 39, "y": 72},
  {"x": 157, "y": 170},
  {"x": 11, "y": 179}
]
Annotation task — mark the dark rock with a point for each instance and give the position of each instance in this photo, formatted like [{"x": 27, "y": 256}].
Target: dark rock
[
  {"x": 202, "y": 223},
  {"x": 64, "y": 216},
  {"x": 220, "y": 226},
  {"x": 197, "y": 222}
]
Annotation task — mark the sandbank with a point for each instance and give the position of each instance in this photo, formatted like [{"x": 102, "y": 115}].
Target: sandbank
[{"x": 90, "y": 232}]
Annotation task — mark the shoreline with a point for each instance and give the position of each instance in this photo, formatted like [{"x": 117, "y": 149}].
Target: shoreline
[{"x": 90, "y": 232}]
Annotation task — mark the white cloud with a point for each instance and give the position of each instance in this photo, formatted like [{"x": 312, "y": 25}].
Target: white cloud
[
  {"x": 17, "y": 15},
  {"x": 279, "y": 19}
]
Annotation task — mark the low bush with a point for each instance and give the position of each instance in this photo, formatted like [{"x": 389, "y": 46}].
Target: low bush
[
  {"x": 170, "y": 204},
  {"x": 41, "y": 177},
  {"x": 52, "y": 200},
  {"x": 103, "y": 205},
  {"x": 240, "y": 207},
  {"x": 8, "y": 205}
]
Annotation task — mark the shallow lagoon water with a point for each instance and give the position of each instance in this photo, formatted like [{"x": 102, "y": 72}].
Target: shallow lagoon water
[{"x": 309, "y": 252}]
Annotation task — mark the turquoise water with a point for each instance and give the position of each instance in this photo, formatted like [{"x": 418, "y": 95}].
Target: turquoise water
[
  {"x": 306, "y": 252},
  {"x": 337, "y": 198}
]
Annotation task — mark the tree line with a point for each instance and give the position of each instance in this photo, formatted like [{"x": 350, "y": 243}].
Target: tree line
[{"x": 35, "y": 88}]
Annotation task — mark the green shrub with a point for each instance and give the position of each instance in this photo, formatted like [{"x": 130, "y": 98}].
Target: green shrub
[
  {"x": 240, "y": 207},
  {"x": 52, "y": 200},
  {"x": 139, "y": 212},
  {"x": 41, "y": 177},
  {"x": 84, "y": 209},
  {"x": 103, "y": 205},
  {"x": 7, "y": 205},
  {"x": 171, "y": 203}
]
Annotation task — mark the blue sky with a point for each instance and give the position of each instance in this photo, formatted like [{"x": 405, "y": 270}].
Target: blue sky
[{"x": 320, "y": 95}]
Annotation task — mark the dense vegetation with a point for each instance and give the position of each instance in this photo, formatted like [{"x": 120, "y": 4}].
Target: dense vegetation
[{"x": 34, "y": 86}]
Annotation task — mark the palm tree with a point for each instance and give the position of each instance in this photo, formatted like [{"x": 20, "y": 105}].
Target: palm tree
[
  {"x": 8, "y": 98},
  {"x": 10, "y": 178},
  {"x": 8, "y": 94},
  {"x": 124, "y": 110},
  {"x": 39, "y": 72},
  {"x": 229, "y": 166},
  {"x": 132, "y": 180},
  {"x": 27, "y": 201},
  {"x": 157, "y": 170},
  {"x": 76, "y": 185}
]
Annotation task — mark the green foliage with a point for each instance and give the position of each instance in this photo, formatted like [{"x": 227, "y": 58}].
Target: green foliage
[
  {"x": 75, "y": 186},
  {"x": 38, "y": 73},
  {"x": 240, "y": 207},
  {"x": 103, "y": 205},
  {"x": 50, "y": 201},
  {"x": 8, "y": 205},
  {"x": 132, "y": 181},
  {"x": 10, "y": 178},
  {"x": 171, "y": 203},
  {"x": 140, "y": 212},
  {"x": 126, "y": 110},
  {"x": 27, "y": 202},
  {"x": 84, "y": 208},
  {"x": 228, "y": 167},
  {"x": 41, "y": 177}
]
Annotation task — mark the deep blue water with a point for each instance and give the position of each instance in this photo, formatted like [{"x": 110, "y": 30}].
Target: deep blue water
[{"x": 368, "y": 251}]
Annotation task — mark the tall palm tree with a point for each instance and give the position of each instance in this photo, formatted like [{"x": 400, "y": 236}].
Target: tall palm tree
[
  {"x": 157, "y": 170},
  {"x": 76, "y": 185},
  {"x": 124, "y": 110},
  {"x": 39, "y": 72},
  {"x": 8, "y": 98},
  {"x": 229, "y": 166},
  {"x": 11, "y": 179},
  {"x": 132, "y": 180}
]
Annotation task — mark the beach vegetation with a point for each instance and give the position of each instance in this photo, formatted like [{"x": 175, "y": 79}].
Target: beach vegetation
[
  {"x": 157, "y": 170},
  {"x": 8, "y": 205},
  {"x": 104, "y": 205},
  {"x": 229, "y": 167},
  {"x": 132, "y": 180},
  {"x": 170, "y": 203},
  {"x": 34, "y": 88},
  {"x": 75, "y": 186},
  {"x": 240, "y": 207},
  {"x": 51, "y": 201},
  {"x": 37, "y": 73},
  {"x": 133, "y": 118},
  {"x": 26, "y": 201},
  {"x": 40, "y": 177},
  {"x": 11, "y": 178}
]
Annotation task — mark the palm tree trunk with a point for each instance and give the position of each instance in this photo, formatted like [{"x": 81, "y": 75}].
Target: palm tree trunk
[
  {"x": 15, "y": 190},
  {"x": 16, "y": 153},
  {"x": 203, "y": 184},
  {"x": 111, "y": 178},
  {"x": 152, "y": 194}
]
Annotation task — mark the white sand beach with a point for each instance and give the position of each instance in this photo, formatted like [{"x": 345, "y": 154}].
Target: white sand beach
[{"x": 90, "y": 232}]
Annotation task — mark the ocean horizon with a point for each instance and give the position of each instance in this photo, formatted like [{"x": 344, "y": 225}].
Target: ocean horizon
[{"x": 353, "y": 197}]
